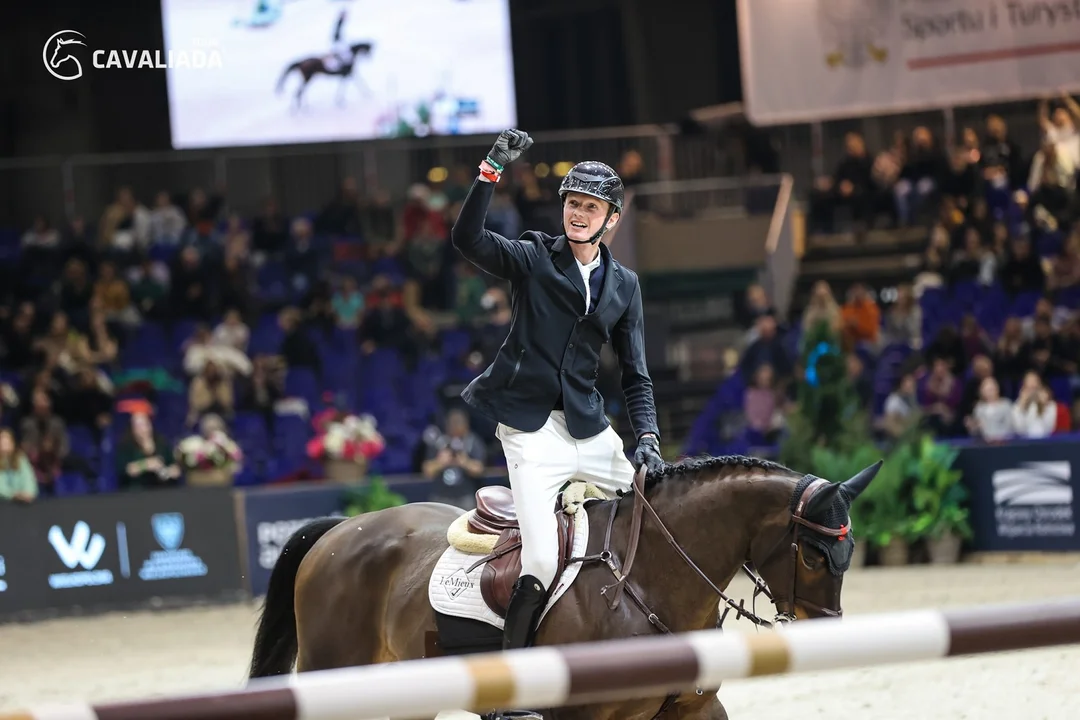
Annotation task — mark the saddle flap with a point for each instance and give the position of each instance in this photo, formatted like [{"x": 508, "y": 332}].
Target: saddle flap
[{"x": 502, "y": 570}]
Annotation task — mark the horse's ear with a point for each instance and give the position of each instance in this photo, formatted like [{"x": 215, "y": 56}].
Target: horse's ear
[
  {"x": 821, "y": 501},
  {"x": 859, "y": 482}
]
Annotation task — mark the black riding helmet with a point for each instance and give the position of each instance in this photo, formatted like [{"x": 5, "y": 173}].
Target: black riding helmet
[{"x": 599, "y": 180}]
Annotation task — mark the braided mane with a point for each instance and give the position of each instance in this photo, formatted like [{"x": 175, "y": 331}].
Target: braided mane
[{"x": 692, "y": 468}]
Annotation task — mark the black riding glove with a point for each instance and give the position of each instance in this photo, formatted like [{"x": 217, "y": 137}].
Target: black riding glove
[
  {"x": 648, "y": 454},
  {"x": 508, "y": 148}
]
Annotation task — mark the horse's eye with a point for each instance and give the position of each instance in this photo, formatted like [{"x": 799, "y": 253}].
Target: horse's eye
[{"x": 812, "y": 559}]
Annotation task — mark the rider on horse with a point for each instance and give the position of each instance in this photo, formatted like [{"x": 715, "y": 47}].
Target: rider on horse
[
  {"x": 570, "y": 297},
  {"x": 340, "y": 52}
]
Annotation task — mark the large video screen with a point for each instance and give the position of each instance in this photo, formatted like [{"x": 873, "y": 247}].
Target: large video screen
[{"x": 262, "y": 72}]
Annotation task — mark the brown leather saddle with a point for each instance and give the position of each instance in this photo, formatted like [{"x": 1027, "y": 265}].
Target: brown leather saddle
[{"x": 496, "y": 515}]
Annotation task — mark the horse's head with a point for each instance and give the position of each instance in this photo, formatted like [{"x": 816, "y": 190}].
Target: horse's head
[
  {"x": 361, "y": 49},
  {"x": 803, "y": 551}
]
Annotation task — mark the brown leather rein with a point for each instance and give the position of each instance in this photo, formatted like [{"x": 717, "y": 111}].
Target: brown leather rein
[{"x": 785, "y": 603}]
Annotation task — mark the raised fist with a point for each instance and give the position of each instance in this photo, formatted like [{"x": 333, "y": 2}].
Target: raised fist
[{"x": 508, "y": 148}]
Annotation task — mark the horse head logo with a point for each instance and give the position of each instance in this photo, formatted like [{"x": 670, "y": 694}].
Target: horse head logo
[
  {"x": 168, "y": 529},
  {"x": 58, "y": 52}
]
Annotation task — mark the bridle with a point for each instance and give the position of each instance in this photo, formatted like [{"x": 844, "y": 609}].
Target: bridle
[{"x": 784, "y": 601}]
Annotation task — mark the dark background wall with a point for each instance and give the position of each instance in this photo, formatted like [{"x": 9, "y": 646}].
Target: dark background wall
[{"x": 578, "y": 63}]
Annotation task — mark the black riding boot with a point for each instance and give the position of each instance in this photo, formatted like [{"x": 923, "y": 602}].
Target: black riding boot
[{"x": 527, "y": 601}]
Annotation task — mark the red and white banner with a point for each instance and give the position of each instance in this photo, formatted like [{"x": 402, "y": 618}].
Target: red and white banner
[{"x": 810, "y": 60}]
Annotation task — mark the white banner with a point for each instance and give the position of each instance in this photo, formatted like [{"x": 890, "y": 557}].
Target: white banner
[{"x": 809, "y": 60}]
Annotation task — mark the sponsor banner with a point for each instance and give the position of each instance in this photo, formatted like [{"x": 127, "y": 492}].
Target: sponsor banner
[
  {"x": 271, "y": 515},
  {"x": 118, "y": 550},
  {"x": 1024, "y": 497},
  {"x": 810, "y": 60}
]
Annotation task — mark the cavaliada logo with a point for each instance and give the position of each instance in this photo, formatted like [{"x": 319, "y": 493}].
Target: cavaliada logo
[
  {"x": 3, "y": 572},
  {"x": 1035, "y": 500},
  {"x": 171, "y": 561},
  {"x": 65, "y": 52},
  {"x": 84, "y": 550}
]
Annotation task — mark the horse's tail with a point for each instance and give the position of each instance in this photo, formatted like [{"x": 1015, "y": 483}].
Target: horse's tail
[
  {"x": 281, "y": 82},
  {"x": 275, "y": 641}
]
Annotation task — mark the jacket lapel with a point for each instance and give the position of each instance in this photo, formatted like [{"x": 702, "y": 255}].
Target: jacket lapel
[
  {"x": 612, "y": 280},
  {"x": 564, "y": 260}
]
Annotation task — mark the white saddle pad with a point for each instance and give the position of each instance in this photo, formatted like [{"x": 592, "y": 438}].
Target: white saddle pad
[{"x": 453, "y": 591}]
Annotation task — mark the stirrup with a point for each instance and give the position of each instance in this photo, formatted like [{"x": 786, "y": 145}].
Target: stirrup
[{"x": 512, "y": 715}]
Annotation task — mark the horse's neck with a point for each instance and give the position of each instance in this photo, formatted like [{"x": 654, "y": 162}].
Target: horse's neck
[{"x": 713, "y": 522}]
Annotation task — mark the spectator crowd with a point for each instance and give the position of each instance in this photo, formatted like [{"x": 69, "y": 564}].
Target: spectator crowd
[
  {"x": 134, "y": 345},
  {"x": 983, "y": 341}
]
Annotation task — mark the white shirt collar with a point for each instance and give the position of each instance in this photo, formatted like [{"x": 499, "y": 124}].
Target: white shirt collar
[
  {"x": 591, "y": 266},
  {"x": 586, "y": 271}
]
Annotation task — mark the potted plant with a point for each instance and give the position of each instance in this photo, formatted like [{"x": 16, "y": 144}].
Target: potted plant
[
  {"x": 371, "y": 497},
  {"x": 938, "y": 499},
  {"x": 884, "y": 510}
]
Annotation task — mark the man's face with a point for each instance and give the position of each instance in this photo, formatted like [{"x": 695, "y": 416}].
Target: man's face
[
  {"x": 457, "y": 424},
  {"x": 766, "y": 327},
  {"x": 584, "y": 215},
  {"x": 854, "y": 144}
]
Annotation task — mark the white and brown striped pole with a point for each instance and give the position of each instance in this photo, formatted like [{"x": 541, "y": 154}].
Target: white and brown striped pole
[{"x": 653, "y": 666}]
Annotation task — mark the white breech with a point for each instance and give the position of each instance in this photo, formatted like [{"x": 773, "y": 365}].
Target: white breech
[{"x": 539, "y": 464}]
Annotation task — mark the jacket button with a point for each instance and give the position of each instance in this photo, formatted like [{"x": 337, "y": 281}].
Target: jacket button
[
  {"x": 570, "y": 345},
  {"x": 565, "y": 372},
  {"x": 581, "y": 319}
]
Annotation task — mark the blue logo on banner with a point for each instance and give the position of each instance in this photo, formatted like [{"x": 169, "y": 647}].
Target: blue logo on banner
[
  {"x": 171, "y": 562},
  {"x": 168, "y": 529}
]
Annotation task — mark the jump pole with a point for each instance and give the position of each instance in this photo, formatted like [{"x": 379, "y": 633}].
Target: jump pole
[{"x": 562, "y": 675}]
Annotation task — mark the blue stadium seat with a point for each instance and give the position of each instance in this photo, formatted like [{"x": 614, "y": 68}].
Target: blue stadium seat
[
  {"x": 266, "y": 336},
  {"x": 301, "y": 382},
  {"x": 69, "y": 484},
  {"x": 1061, "y": 388}
]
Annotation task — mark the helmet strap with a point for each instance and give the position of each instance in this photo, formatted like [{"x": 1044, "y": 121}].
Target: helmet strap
[{"x": 599, "y": 233}]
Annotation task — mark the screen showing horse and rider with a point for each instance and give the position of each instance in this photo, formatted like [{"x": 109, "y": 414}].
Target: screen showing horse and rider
[{"x": 297, "y": 71}]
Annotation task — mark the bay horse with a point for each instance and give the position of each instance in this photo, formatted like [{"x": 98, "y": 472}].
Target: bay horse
[
  {"x": 353, "y": 591},
  {"x": 312, "y": 66}
]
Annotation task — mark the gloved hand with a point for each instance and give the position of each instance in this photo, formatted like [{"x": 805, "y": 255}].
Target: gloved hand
[
  {"x": 508, "y": 148},
  {"x": 648, "y": 454}
]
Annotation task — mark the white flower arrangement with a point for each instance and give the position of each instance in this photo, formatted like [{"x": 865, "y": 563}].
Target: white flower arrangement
[{"x": 217, "y": 451}]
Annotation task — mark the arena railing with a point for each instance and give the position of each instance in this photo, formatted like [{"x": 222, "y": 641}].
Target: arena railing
[
  {"x": 807, "y": 150},
  {"x": 305, "y": 177},
  {"x": 612, "y": 671}
]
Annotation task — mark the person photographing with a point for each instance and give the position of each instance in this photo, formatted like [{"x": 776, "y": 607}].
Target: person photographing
[{"x": 569, "y": 298}]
